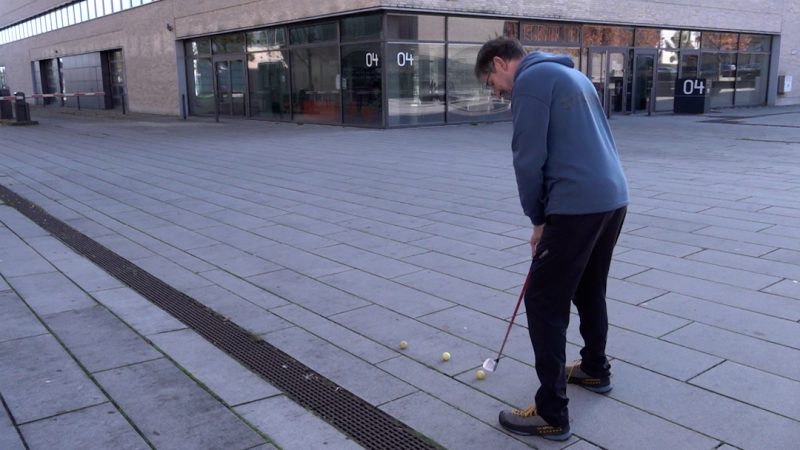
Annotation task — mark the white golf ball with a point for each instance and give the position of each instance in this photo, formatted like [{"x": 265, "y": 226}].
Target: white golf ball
[
  {"x": 403, "y": 345},
  {"x": 446, "y": 356},
  {"x": 480, "y": 374}
]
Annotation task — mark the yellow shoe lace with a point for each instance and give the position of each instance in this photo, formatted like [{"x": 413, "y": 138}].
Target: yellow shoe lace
[
  {"x": 527, "y": 412},
  {"x": 575, "y": 364}
]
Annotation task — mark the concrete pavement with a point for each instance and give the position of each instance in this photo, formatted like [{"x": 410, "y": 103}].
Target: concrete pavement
[{"x": 334, "y": 244}]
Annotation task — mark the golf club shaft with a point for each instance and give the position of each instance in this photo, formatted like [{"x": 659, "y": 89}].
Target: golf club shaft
[{"x": 513, "y": 316}]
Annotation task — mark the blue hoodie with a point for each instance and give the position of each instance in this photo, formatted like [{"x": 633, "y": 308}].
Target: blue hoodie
[{"x": 565, "y": 158}]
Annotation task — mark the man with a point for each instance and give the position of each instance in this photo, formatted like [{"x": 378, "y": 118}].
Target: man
[{"x": 572, "y": 187}]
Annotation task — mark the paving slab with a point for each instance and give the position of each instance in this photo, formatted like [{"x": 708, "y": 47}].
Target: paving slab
[
  {"x": 19, "y": 260},
  {"x": 308, "y": 292},
  {"x": 779, "y": 331},
  {"x": 696, "y": 269},
  {"x": 459, "y": 268},
  {"x": 425, "y": 343},
  {"x": 761, "y": 302},
  {"x": 49, "y": 293},
  {"x": 138, "y": 312},
  {"x": 245, "y": 314},
  {"x": 736, "y": 347},
  {"x": 16, "y": 319},
  {"x": 235, "y": 261},
  {"x": 223, "y": 375},
  {"x": 243, "y": 288},
  {"x": 355, "y": 375},
  {"x": 719, "y": 417},
  {"x": 19, "y": 224},
  {"x": 657, "y": 355},
  {"x": 366, "y": 261},
  {"x": 172, "y": 411},
  {"x": 437, "y": 420},
  {"x": 98, "y": 427},
  {"x": 44, "y": 380},
  {"x": 292, "y": 427},
  {"x": 335, "y": 334},
  {"x": 9, "y": 437},
  {"x": 708, "y": 242},
  {"x": 387, "y": 293},
  {"x": 761, "y": 389},
  {"x": 86, "y": 274},
  {"x": 98, "y": 339}
]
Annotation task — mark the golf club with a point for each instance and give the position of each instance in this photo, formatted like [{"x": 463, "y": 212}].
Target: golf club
[{"x": 491, "y": 364}]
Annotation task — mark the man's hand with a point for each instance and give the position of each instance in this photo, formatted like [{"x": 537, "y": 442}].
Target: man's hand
[{"x": 536, "y": 237}]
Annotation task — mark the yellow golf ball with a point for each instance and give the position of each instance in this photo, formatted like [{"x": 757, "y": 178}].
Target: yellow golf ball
[
  {"x": 480, "y": 374},
  {"x": 446, "y": 356},
  {"x": 403, "y": 345}
]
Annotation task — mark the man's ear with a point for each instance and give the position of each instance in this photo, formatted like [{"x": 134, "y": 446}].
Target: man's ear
[{"x": 500, "y": 62}]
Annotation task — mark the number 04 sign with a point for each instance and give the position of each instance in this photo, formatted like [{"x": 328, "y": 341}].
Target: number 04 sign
[
  {"x": 404, "y": 58},
  {"x": 694, "y": 86}
]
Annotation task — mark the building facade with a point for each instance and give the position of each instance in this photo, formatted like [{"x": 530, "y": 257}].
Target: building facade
[{"x": 380, "y": 63}]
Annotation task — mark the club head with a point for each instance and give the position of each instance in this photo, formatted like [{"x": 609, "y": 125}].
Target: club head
[{"x": 489, "y": 365}]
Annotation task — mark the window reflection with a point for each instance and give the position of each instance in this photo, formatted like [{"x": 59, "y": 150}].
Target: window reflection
[
  {"x": 468, "y": 100},
  {"x": 666, "y": 74},
  {"x": 421, "y": 28},
  {"x": 415, "y": 83},
  {"x": 751, "y": 79},
  {"x": 467, "y": 29},
  {"x": 315, "y": 84},
  {"x": 720, "y": 70},
  {"x": 270, "y": 96},
  {"x": 202, "y": 100},
  {"x": 606, "y": 36},
  {"x": 551, "y": 33},
  {"x": 361, "y": 84}
]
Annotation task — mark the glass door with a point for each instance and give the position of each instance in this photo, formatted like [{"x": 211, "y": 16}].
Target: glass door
[
  {"x": 643, "y": 66},
  {"x": 230, "y": 84},
  {"x": 690, "y": 63},
  {"x": 607, "y": 70}
]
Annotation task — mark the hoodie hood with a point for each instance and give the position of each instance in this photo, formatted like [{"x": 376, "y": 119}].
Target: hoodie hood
[{"x": 534, "y": 58}]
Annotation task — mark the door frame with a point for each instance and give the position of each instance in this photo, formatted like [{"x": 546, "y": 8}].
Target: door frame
[
  {"x": 246, "y": 99},
  {"x": 648, "y": 52},
  {"x": 607, "y": 51}
]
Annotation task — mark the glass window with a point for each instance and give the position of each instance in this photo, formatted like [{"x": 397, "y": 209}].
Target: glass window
[
  {"x": 666, "y": 74},
  {"x": 269, "y": 39},
  {"x": 107, "y": 7},
  {"x": 200, "y": 46},
  {"x": 116, "y": 6},
  {"x": 362, "y": 27},
  {"x": 719, "y": 70},
  {"x": 751, "y": 79},
  {"x": 415, "y": 83},
  {"x": 690, "y": 39},
  {"x": 605, "y": 36},
  {"x": 270, "y": 96},
  {"x": 59, "y": 19},
  {"x": 468, "y": 29},
  {"x": 135, "y": 3},
  {"x": 647, "y": 37},
  {"x": 91, "y": 10},
  {"x": 201, "y": 99},
  {"x": 84, "y": 11},
  {"x": 2, "y": 76},
  {"x": 316, "y": 84},
  {"x": 755, "y": 43},
  {"x": 126, "y": 4},
  {"x": 415, "y": 28},
  {"x": 468, "y": 100},
  {"x": 228, "y": 43},
  {"x": 550, "y": 33},
  {"x": 313, "y": 33},
  {"x": 361, "y": 84},
  {"x": 573, "y": 52}
]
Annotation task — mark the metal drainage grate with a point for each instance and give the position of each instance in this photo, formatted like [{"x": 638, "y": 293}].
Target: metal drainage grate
[{"x": 364, "y": 423}]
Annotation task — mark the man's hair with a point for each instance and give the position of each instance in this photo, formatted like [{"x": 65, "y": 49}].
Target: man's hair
[{"x": 507, "y": 49}]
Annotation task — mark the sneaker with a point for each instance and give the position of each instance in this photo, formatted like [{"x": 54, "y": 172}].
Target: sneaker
[
  {"x": 575, "y": 375},
  {"x": 527, "y": 423}
]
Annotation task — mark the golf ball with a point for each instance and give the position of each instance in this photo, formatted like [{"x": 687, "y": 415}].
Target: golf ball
[
  {"x": 403, "y": 345},
  {"x": 446, "y": 356},
  {"x": 480, "y": 374}
]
